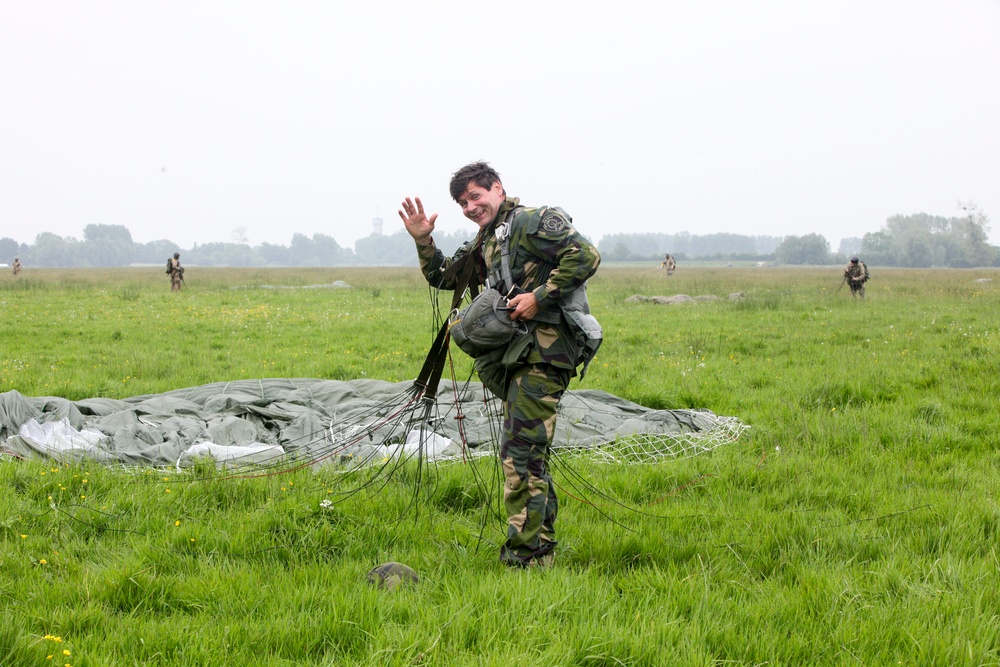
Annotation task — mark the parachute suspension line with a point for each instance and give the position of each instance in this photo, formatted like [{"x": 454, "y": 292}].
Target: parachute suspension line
[
  {"x": 428, "y": 380},
  {"x": 378, "y": 479},
  {"x": 459, "y": 414},
  {"x": 430, "y": 377},
  {"x": 581, "y": 485},
  {"x": 424, "y": 432},
  {"x": 489, "y": 487},
  {"x": 414, "y": 419},
  {"x": 435, "y": 302},
  {"x": 335, "y": 447},
  {"x": 493, "y": 408}
]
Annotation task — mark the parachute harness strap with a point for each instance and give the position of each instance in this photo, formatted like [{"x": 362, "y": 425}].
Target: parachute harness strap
[{"x": 503, "y": 239}]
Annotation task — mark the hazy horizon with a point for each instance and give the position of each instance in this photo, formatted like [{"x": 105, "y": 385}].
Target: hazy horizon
[{"x": 189, "y": 121}]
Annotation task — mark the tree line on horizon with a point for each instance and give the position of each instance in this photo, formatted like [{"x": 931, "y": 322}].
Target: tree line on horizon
[
  {"x": 113, "y": 246},
  {"x": 918, "y": 240}
]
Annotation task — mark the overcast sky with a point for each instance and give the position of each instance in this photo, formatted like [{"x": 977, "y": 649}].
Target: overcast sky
[{"x": 188, "y": 120}]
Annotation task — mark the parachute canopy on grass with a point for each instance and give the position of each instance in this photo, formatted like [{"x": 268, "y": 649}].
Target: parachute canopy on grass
[{"x": 260, "y": 421}]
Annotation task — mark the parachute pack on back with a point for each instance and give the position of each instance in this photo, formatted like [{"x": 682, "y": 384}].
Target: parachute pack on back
[{"x": 170, "y": 265}]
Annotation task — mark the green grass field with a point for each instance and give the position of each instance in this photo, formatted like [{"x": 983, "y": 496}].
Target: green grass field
[{"x": 857, "y": 522}]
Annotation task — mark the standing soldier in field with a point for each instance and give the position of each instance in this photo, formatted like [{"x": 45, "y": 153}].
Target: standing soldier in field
[
  {"x": 16, "y": 269},
  {"x": 856, "y": 275},
  {"x": 549, "y": 264},
  {"x": 176, "y": 272}
]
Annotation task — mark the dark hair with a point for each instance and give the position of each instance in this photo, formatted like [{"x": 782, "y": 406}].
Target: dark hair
[
  {"x": 177, "y": 255},
  {"x": 479, "y": 173}
]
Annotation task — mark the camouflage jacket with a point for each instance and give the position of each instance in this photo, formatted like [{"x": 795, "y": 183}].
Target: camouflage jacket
[
  {"x": 857, "y": 274},
  {"x": 547, "y": 257}
]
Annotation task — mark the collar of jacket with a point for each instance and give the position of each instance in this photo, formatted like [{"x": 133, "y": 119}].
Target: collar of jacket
[{"x": 505, "y": 208}]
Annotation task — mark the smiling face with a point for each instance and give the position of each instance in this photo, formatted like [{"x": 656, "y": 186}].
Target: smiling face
[{"x": 480, "y": 204}]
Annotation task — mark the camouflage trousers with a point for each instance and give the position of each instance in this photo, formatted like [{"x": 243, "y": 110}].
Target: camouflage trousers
[{"x": 529, "y": 494}]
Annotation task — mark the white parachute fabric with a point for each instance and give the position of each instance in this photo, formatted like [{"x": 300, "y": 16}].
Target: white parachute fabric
[
  {"x": 351, "y": 423},
  {"x": 59, "y": 440},
  {"x": 249, "y": 454}
]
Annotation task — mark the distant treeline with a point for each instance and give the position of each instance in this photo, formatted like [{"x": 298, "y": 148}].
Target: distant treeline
[
  {"x": 918, "y": 240},
  {"x": 648, "y": 247},
  {"x": 112, "y": 245},
  {"x": 923, "y": 240}
]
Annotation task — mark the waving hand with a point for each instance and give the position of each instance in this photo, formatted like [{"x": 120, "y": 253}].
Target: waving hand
[{"x": 416, "y": 221}]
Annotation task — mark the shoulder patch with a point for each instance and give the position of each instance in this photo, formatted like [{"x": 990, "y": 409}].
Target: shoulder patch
[{"x": 554, "y": 223}]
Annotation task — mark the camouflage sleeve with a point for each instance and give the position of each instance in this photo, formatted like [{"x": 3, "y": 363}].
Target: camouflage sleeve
[
  {"x": 433, "y": 264},
  {"x": 574, "y": 259}
]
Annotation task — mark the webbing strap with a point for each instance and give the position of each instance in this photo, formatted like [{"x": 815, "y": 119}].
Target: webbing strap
[
  {"x": 503, "y": 237},
  {"x": 430, "y": 373},
  {"x": 463, "y": 268}
]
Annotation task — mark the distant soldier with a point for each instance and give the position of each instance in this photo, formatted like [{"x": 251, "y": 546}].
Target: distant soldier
[
  {"x": 856, "y": 275},
  {"x": 176, "y": 272},
  {"x": 16, "y": 269},
  {"x": 668, "y": 264}
]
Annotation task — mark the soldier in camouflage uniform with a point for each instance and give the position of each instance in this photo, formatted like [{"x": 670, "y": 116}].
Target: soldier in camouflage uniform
[
  {"x": 176, "y": 273},
  {"x": 549, "y": 259},
  {"x": 856, "y": 275}
]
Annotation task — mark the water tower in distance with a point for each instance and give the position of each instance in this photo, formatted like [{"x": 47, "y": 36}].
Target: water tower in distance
[{"x": 377, "y": 226}]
